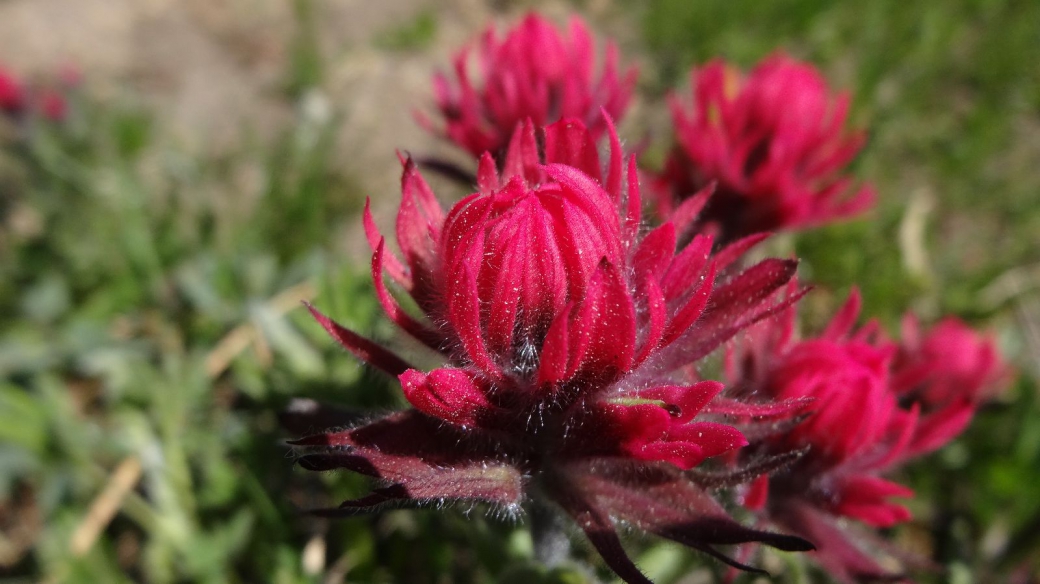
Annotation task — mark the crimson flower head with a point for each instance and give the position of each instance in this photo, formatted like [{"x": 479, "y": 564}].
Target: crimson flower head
[
  {"x": 877, "y": 404},
  {"x": 949, "y": 366},
  {"x": 534, "y": 72},
  {"x": 12, "y": 94},
  {"x": 773, "y": 142},
  {"x": 562, "y": 328}
]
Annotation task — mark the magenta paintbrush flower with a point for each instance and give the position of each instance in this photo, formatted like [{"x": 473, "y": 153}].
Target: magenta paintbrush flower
[
  {"x": 53, "y": 105},
  {"x": 18, "y": 99},
  {"x": 562, "y": 327},
  {"x": 535, "y": 73},
  {"x": 773, "y": 142},
  {"x": 948, "y": 363},
  {"x": 876, "y": 405},
  {"x": 12, "y": 94}
]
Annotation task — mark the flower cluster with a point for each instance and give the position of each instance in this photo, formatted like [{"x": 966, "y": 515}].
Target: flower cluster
[
  {"x": 877, "y": 403},
  {"x": 17, "y": 99},
  {"x": 773, "y": 143},
  {"x": 533, "y": 73},
  {"x": 571, "y": 333}
]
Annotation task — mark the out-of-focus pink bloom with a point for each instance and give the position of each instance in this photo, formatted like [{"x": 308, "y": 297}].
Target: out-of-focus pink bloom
[
  {"x": 877, "y": 404},
  {"x": 12, "y": 94},
  {"x": 562, "y": 327},
  {"x": 950, "y": 362},
  {"x": 52, "y": 105},
  {"x": 774, "y": 143},
  {"x": 535, "y": 73},
  {"x": 947, "y": 372},
  {"x": 17, "y": 99},
  {"x": 70, "y": 76}
]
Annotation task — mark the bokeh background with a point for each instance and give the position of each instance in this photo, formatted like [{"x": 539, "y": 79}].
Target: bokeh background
[{"x": 208, "y": 175}]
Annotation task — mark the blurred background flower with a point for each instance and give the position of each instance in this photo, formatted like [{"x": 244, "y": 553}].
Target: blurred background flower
[
  {"x": 530, "y": 71},
  {"x": 774, "y": 145}
]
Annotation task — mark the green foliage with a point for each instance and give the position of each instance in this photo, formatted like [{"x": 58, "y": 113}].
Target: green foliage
[
  {"x": 412, "y": 36},
  {"x": 115, "y": 305},
  {"x": 307, "y": 66}
]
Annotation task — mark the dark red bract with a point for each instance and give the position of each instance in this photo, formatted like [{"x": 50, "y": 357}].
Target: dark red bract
[
  {"x": 562, "y": 327},
  {"x": 773, "y": 142}
]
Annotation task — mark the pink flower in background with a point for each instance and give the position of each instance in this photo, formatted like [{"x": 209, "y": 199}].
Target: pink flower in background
[
  {"x": 52, "y": 105},
  {"x": 946, "y": 372},
  {"x": 877, "y": 404},
  {"x": 563, "y": 330},
  {"x": 773, "y": 142},
  {"x": 70, "y": 76},
  {"x": 535, "y": 73},
  {"x": 12, "y": 94},
  {"x": 18, "y": 98},
  {"x": 947, "y": 363}
]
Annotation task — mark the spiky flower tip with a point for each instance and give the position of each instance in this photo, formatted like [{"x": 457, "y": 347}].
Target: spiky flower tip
[
  {"x": 533, "y": 72},
  {"x": 563, "y": 329},
  {"x": 774, "y": 142},
  {"x": 877, "y": 404}
]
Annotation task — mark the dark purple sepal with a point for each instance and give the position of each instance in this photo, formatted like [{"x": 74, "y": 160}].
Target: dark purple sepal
[
  {"x": 418, "y": 452},
  {"x": 736, "y": 476},
  {"x": 661, "y": 499},
  {"x": 837, "y": 553},
  {"x": 362, "y": 348}
]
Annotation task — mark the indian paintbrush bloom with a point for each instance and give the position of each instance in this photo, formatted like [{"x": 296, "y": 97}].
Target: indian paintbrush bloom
[
  {"x": 563, "y": 328},
  {"x": 877, "y": 405},
  {"x": 534, "y": 72},
  {"x": 17, "y": 99},
  {"x": 12, "y": 94},
  {"x": 53, "y": 105},
  {"x": 774, "y": 142},
  {"x": 948, "y": 368}
]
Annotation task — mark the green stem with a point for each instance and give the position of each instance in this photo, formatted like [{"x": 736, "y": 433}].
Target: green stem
[{"x": 552, "y": 547}]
